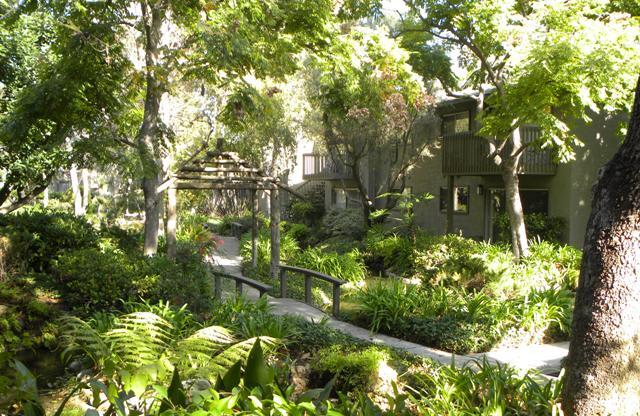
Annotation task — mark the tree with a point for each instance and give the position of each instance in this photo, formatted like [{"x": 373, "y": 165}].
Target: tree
[
  {"x": 217, "y": 43},
  {"x": 542, "y": 63},
  {"x": 371, "y": 101},
  {"x": 53, "y": 115},
  {"x": 603, "y": 366}
]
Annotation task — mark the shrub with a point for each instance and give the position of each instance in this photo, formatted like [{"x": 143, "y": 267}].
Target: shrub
[
  {"x": 388, "y": 251},
  {"x": 128, "y": 240},
  {"x": 25, "y": 321},
  {"x": 39, "y": 236},
  {"x": 484, "y": 388},
  {"x": 299, "y": 232},
  {"x": 355, "y": 370},
  {"x": 93, "y": 279},
  {"x": 184, "y": 281},
  {"x": 348, "y": 267},
  {"x": 387, "y": 306},
  {"x": 307, "y": 212},
  {"x": 540, "y": 226},
  {"x": 343, "y": 223}
]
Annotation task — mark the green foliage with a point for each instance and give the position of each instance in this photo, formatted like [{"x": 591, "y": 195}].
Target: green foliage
[
  {"x": 288, "y": 249},
  {"x": 461, "y": 321},
  {"x": 94, "y": 279},
  {"x": 343, "y": 223},
  {"x": 101, "y": 279},
  {"x": 388, "y": 306},
  {"x": 299, "y": 232},
  {"x": 183, "y": 281},
  {"x": 52, "y": 114},
  {"x": 144, "y": 343},
  {"x": 37, "y": 237},
  {"x": 539, "y": 226},
  {"x": 388, "y": 251},
  {"x": 309, "y": 211},
  {"x": 483, "y": 388},
  {"x": 355, "y": 370},
  {"x": 25, "y": 321},
  {"x": 348, "y": 267}
]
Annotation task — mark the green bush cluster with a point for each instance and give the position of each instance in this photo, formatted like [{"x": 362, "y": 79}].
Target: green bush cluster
[
  {"x": 461, "y": 321},
  {"x": 388, "y": 252},
  {"x": 25, "y": 320},
  {"x": 38, "y": 236},
  {"x": 102, "y": 278},
  {"x": 343, "y": 223},
  {"x": 355, "y": 370},
  {"x": 539, "y": 226}
]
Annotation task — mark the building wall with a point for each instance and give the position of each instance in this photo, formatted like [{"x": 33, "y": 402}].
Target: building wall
[
  {"x": 569, "y": 189},
  {"x": 601, "y": 142}
]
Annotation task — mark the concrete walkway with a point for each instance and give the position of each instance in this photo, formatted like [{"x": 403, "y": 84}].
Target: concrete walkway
[{"x": 544, "y": 358}]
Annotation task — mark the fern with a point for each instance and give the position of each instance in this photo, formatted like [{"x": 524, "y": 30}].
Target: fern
[{"x": 141, "y": 339}]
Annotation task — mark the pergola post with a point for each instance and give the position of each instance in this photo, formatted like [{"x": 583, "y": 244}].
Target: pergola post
[
  {"x": 451, "y": 194},
  {"x": 275, "y": 233},
  {"x": 172, "y": 221},
  {"x": 254, "y": 228}
]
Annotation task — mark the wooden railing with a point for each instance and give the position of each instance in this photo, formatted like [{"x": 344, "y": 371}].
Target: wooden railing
[
  {"x": 308, "y": 276},
  {"x": 468, "y": 154},
  {"x": 316, "y": 166},
  {"x": 240, "y": 282}
]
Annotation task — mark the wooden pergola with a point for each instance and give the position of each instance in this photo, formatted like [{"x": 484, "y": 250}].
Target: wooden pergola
[{"x": 226, "y": 170}]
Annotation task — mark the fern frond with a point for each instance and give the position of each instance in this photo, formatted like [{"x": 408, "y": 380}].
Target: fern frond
[
  {"x": 240, "y": 351},
  {"x": 140, "y": 338},
  {"x": 78, "y": 336}
]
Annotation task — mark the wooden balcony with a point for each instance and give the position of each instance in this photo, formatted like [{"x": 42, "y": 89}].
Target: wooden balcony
[
  {"x": 467, "y": 154},
  {"x": 322, "y": 167}
]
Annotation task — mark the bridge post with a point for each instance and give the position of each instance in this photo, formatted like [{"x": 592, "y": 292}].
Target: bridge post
[
  {"x": 254, "y": 229},
  {"x": 307, "y": 290},
  {"x": 172, "y": 221},
  {"x": 283, "y": 283},
  {"x": 275, "y": 233},
  {"x": 336, "y": 300}
]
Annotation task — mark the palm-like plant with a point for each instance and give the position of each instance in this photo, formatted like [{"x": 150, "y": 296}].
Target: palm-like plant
[{"x": 146, "y": 340}]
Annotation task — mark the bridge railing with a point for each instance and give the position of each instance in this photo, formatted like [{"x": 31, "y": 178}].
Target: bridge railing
[
  {"x": 308, "y": 276},
  {"x": 240, "y": 282}
]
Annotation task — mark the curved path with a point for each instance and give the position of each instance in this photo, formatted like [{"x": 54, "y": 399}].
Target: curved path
[{"x": 544, "y": 358}]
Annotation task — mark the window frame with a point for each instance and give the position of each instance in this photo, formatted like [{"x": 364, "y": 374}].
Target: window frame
[{"x": 443, "y": 201}]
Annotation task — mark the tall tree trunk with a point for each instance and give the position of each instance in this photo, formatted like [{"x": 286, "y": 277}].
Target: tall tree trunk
[
  {"x": 75, "y": 188},
  {"x": 148, "y": 136},
  {"x": 603, "y": 366},
  {"x": 509, "y": 167},
  {"x": 367, "y": 204},
  {"x": 86, "y": 189}
]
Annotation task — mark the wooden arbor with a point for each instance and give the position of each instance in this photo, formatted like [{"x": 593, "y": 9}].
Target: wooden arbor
[{"x": 225, "y": 170}]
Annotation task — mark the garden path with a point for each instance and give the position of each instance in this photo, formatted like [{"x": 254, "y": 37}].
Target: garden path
[{"x": 544, "y": 358}]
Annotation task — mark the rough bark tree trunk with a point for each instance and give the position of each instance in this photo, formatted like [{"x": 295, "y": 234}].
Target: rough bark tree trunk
[
  {"x": 509, "y": 167},
  {"x": 148, "y": 137},
  {"x": 603, "y": 366}
]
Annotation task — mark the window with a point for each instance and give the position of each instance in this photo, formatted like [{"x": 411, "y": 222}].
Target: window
[
  {"x": 460, "y": 199},
  {"x": 455, "y": 123}
]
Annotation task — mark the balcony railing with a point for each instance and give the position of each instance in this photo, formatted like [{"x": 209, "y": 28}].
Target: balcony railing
[
  {"x": 322, "y": 167},
  {"x": 467, "y": 154}
]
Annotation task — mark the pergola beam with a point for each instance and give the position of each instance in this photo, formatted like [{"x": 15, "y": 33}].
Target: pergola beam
[{"x": 222, "y": 186}]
